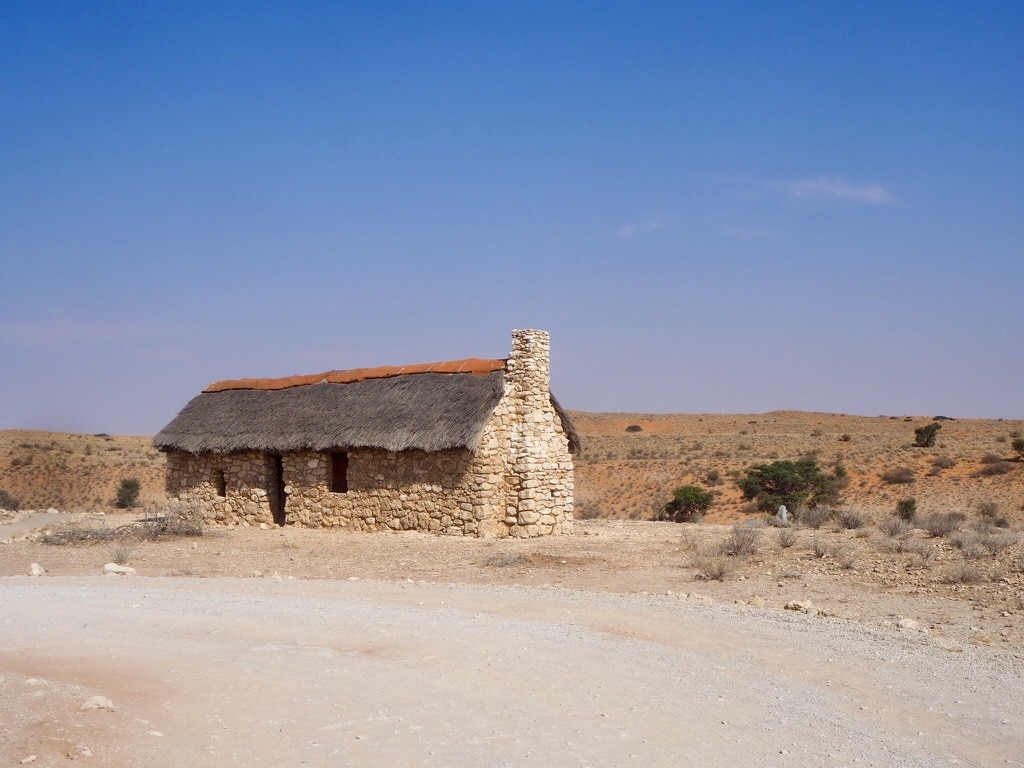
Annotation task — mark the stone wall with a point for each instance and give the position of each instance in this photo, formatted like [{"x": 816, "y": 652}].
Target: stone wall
[
  {"x": 247, "y": 481},
  {"x": 518, "y": 482},
  {"x": 450, "y": 492}
]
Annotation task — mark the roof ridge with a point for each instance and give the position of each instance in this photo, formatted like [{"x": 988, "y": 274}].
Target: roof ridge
[{"x": 470, "y": 365}]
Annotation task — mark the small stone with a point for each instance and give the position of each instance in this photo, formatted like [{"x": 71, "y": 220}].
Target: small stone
[
  {"x": 804, "y": 606},
  {"x": 757, "y": 601},
  {"x": 29, "y": 759},
  {"x": 113, "y": 569},
  {"x": 905, "y": 623},
  {"x": 99, "y": 702},
  {"x": 36, "y": 570}
]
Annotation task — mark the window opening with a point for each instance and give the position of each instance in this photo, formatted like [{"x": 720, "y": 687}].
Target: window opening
[
  {"x": 222, "y": 484},
  {"x": 339, "y": 472}
]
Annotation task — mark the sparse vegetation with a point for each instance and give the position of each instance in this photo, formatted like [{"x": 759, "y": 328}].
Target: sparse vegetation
[
  {"x": 1018, "y": 446},
  {"x": 171, "y": 525},
  {"x": 906, "y": 509},
  {"x": 122, "y": 554},
  {"x": 812, "y": 517},
  {"x": 128, "y": 492},
  {"x": 8, "y": 502},
  {"x": 852, "y": 519},
  {"x": 713, "y": 567},
  {"x": 943, "y": 523},
  {"x": 895, "y": 526},
  {"x": 898, "y": 476},
  {"x": 991, "y": 464},
  {"x": 634, "y": 428},
  {"x": 742, "y": 541},
  {"x": 787, "y": 537},
  {"x": 924, "y": 437},
  {"x": 796, "y": 484},
  {"x": 688, "y": 502}
]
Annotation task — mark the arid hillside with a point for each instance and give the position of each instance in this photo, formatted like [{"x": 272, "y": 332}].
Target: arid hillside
[
  {"x": 77, "y": 473},
  {"x": 630, "y": 463}
]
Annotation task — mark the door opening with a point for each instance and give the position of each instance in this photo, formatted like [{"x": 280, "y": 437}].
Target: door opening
[{"x": 276, "y": 489}]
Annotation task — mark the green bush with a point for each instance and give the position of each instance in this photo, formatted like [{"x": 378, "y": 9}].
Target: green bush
[
  {"x": 688, "y": 502},
  {"x": 1018, "y": 446},
  {"x": 8, "y": 502},
  {"x": 924, "y": 437},
  {"x": 128, "y": 492},
  {"x": 793, "y": 483},
  {"x": 906, "y": 509}
]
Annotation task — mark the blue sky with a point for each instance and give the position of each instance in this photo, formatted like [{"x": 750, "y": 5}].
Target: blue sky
[{"x": 726, "y": 207}]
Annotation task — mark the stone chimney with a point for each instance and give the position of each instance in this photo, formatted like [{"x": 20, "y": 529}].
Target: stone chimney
[{"x": 529, "y": 365}]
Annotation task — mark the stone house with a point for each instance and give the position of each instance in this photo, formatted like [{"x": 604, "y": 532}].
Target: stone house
[{"x": 469, "y": 447}]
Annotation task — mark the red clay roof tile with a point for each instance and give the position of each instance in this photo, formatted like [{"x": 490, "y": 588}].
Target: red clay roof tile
[{"x": 471, "y": 365}]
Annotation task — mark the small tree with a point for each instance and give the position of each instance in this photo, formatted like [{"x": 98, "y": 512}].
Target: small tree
[
  {"x": 687, "y": 502},
  {"x": 906, "y": 509},
  {"x": 793, "y": 483},
  {"x": 128, "y": 492},
  {"x": 924, "y": 437},
  {"x": 1018, "y": 446}
]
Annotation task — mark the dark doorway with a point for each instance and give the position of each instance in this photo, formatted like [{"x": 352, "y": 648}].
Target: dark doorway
[
  {"x": 276, "y": 489},
  {"x": 339, "y": 472}
]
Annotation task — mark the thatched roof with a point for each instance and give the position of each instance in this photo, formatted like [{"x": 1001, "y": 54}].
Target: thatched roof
[{"x": 426, "y": 411}]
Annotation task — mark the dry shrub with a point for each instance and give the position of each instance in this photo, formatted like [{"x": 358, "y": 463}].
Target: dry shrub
[
  {"x": 820, "y": 548},
  {"x": 942, "y": 523},
  {"x": 742, "y": 541},
  {"x": 122, "y": 554},
  {"x": 898, "y": 476},
  {"x": 966, "y": 572},
  {"x": 787, "y": 537},
  {"x": 969, "y": 545},
  {"x": 852, "y": 520},
  {"x": 996, "y": 542},
  {"x": 813, "y": 517},
  {"x": 73, "y": 533},
  {"x": 895, "y": 526},
  {"x": 170, "y": 525},
  {"x": 844, "y": 557},
  {"x": 713, "y": 567},
  {"x": 998, "y": 467}
]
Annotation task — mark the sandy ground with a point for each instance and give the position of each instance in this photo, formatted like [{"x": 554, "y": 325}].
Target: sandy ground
[
  {"x": 598, "y": 649},
  {"x": 271, "y": 673}
]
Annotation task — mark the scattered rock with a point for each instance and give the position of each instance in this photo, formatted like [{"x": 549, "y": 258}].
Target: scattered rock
[
  {"x": 905, "y": 623},
  {"x": 29, "y": 759},
  {"x": 36, "y": 570},
  {"x": 113, "y": 569},
  {"x": 99, "y": 702},
  {"x": 79, "y": 750},
  {"x": 757, "y": 601},
  {"x": 804, "y": 606}
]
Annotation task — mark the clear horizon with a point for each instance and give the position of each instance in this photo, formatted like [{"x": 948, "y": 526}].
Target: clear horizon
[{"x": 734, "y": 208}]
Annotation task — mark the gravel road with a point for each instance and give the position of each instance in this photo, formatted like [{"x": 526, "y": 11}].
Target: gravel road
[{"x": 223, "y": 672}]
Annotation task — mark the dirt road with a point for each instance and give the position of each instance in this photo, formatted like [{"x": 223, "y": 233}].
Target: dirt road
[{"x": 217, "y": 672}]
